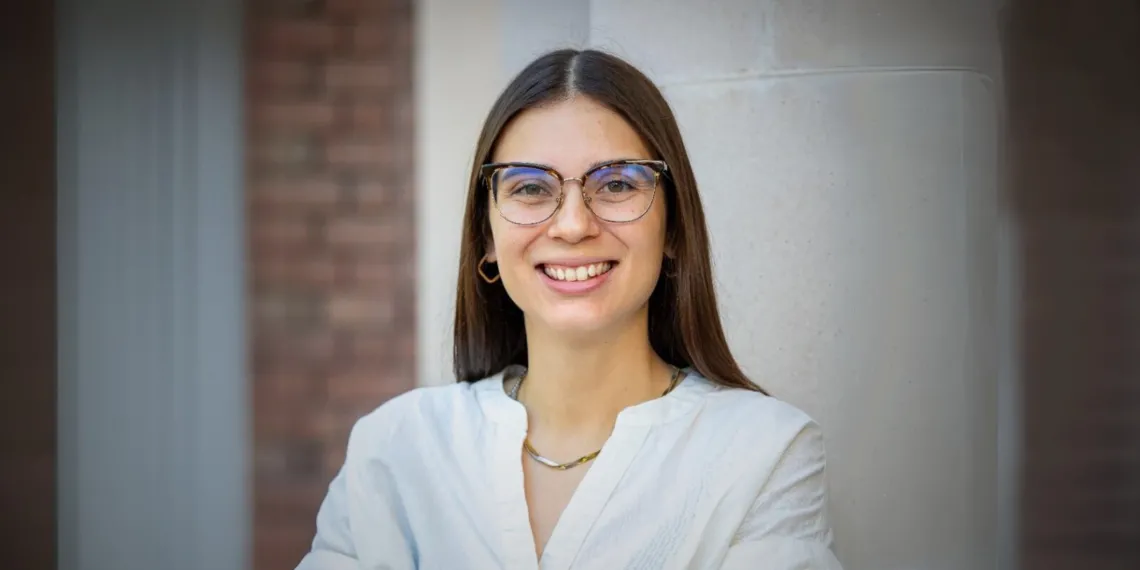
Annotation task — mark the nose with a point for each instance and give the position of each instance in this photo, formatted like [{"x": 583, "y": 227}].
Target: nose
[{"x": 574, "y": 221}]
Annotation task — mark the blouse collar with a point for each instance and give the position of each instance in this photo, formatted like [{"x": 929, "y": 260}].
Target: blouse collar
[{"x": 492, "y": 396}]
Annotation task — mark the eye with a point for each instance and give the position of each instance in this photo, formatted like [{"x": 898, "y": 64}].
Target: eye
[
  {"x": 616, "y": 186},
  {"x": 531, "y": 189}
]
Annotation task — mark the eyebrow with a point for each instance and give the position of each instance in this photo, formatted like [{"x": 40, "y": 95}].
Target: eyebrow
[{"x": 598, "y": 163}]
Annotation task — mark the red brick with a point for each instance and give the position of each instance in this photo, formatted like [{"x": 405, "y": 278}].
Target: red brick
[
  {"x": 363, "y": 10},
  {"x": 263, "y": 9},
  {"x": 358, "y": 311},
  {"x": 334, "y": 457},
  {"x": 377, "y": 276},
  {"x": 364, "y": 387},
  {"x": 365, "y": 231},
  {"x": 331, "y": 231},
  {"x": 346, "y": 8},
  {"x": 336, "y": 421},
  {"x": 279, "y": 233},
  {"x": 278, "y": 349},
  {"x": 402, "y": 112},
  {"x": 397, "y": 157},
  {"x": 367, "y": 116},
  {"x": 286, "y": 386},
  {"x": 370, "y": 39},
  {"x": 281, "y": 151},
  {"x": 282, "y": 270},
  {"x": 372, "y": 194},
  {"x": 277, "y": 78},
  {"x": 386, "y": 349},
  {"x": 283, "y": 420},
  {"x": 281, "y": 543},
  {"x": 295, "y": 193},
  {"x": 290, "y": 310},
  {"x": 356, "y": 155},
  {"x": 288, "y": 460},
  {"x": 290, "y": 501},
  {"x": 295, "y": 116},
  {"x": 372, "y": 347},
  {"x": 363, "y": 79},
  {"x": 406, "y": 349},
  {"x": 294, "y": 37}
]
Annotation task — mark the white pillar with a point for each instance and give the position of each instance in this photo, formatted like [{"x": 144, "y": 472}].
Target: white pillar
[
  {"x": 847, "y": 156},
  {"x": 458, "y": 73}
]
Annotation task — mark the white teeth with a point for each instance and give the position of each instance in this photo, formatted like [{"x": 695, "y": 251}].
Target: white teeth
[{"x": 580, "y": 273}]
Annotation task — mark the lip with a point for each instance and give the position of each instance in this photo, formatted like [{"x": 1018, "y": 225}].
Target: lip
[
  {"x": 575, "y": 287},
  {"x": 575, "y": 261}
]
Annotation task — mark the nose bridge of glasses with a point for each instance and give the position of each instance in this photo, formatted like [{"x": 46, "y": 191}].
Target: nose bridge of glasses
[{"x": 581, "y": 180}]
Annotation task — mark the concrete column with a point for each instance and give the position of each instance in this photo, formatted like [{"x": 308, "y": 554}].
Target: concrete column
[
  {"x": 847, "y": 156},
  {"x": 458, "y": 73}
]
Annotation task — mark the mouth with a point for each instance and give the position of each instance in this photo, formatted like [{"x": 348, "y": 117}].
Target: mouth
[{"x": 576, "y": 273}]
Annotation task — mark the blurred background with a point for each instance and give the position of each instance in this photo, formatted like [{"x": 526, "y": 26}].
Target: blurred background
[{"x": 231, "y": 228}]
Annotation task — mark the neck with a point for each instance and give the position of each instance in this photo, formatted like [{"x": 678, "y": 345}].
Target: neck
[{"x": 584, "y": 384}]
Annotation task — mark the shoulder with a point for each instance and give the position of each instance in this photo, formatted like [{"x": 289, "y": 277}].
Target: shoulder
[
  {"x": 756, "y": 412},
  {"x": 417, "y": 412},
  {"x": 762, "y": 430}
]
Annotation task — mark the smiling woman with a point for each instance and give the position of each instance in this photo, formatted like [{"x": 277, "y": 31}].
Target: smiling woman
[{"x": 600, "y": 420}]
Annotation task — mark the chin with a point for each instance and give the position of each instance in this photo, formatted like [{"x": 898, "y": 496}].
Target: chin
[
  {"x": 577, "y": 319},
  {"x": 577, "y": 322}
]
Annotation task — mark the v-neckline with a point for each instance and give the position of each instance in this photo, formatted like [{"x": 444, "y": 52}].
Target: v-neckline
[
  {"x": 588, "y": 499},
  {"x": 597, "y": 486}
]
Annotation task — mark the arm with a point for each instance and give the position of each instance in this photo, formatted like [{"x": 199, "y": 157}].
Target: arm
[
  {"x": 332, "y": 548},
  {"x": 361, "y": 501},
  {"x": 787, "y": 528}
]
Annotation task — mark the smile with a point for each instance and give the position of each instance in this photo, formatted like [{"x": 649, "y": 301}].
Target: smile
[
  {"x": 576, "y": 273},
  {"x": 575, "y": 279}
]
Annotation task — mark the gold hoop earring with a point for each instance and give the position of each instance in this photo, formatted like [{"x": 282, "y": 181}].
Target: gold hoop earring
[{"x": 484, "y": 275}]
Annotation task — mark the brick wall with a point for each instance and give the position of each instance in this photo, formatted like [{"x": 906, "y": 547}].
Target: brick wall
[{"x": 331, "y": 243}]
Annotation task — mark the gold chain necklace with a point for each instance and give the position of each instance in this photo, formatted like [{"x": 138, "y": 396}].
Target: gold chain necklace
[{"x": 585, "y": 458}]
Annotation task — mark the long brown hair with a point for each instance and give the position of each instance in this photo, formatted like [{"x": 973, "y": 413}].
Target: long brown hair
[{"x": 684, "y": 323}]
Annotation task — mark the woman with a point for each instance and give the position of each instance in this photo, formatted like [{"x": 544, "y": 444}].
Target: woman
[{"x": 600, "y": 421}]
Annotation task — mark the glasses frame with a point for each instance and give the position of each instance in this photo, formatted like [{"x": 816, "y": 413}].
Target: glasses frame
[{"x": 487, "y": 171}]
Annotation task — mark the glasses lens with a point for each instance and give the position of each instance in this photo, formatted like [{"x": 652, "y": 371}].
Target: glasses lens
[
  {"x": 621, "y": 192},
  {"x": 526, "y": 195}
]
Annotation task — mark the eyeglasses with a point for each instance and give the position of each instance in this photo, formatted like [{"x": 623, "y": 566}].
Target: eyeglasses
[{"x": 619, "y": 191}]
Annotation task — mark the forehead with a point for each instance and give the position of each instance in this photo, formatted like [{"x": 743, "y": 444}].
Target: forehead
[{"x": 570, "y": 136}]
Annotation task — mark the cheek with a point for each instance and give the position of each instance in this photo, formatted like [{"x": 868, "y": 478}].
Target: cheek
[
  {"x": 510, "y": 245},
  {"x": 655, "y": 234},
  {"x": 647, "y": 249}
]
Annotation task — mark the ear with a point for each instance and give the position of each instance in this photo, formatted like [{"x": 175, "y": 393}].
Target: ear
[{"x": 490, "y": 248}]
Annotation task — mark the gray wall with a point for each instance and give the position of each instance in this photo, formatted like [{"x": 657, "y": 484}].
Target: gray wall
[
  {"x": 848, "y": 159},
  {"x": 152, "y": 391}
]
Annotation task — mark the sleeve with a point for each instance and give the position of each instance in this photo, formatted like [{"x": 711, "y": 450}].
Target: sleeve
[
  {"x": 787, "y": 526},
  {"x": 332, "y": 547},
  {"x": 361, "y": 501}
]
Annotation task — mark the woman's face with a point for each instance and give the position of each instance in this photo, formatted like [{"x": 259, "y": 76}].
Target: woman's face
[{"x": 575, "y": 272}]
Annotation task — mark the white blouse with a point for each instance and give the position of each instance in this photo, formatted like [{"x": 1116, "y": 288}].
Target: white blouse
[{"x": 704, "y": 477}]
